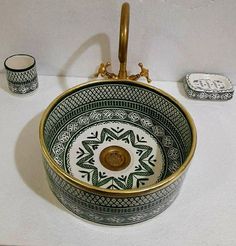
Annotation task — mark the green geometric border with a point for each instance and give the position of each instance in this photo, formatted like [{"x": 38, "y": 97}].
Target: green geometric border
[
  {"x": 143, "y": 169},
  {"x": 158, "y": 132}
]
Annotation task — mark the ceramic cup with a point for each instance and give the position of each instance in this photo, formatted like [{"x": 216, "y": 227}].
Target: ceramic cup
[{"x": 21, "y": 73}]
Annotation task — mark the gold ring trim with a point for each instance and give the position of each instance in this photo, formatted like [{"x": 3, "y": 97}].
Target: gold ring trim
[
  {"x": 115, "y": 158},
  {"x": 117, "y": 193}
]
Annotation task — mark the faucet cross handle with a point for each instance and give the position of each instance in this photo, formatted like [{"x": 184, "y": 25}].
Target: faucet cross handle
[
  {"x": 102, "y": 70},
  {"x": 143, "y": 73}
]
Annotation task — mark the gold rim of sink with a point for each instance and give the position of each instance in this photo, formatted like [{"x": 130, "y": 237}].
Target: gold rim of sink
[{"x": 129, "y": 192}]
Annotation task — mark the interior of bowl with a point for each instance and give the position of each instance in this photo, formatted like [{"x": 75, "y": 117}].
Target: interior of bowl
[{"x": 117, "y": 135}]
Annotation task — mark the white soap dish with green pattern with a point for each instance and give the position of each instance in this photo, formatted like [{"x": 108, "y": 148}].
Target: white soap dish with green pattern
[{"x": 205, "y": 86}]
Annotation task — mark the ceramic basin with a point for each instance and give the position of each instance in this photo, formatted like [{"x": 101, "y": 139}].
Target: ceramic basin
[{"x": 116, "y": 151}]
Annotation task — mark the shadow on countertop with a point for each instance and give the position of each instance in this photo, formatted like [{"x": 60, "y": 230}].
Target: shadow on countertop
[
  {"x": 3, "y": 81},
  {"x": 29, "y": 163},
  {"x": 180, "y": 85}
]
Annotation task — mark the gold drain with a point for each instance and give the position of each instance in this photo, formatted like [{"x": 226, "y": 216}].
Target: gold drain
[{"x": 115, "y": 158}]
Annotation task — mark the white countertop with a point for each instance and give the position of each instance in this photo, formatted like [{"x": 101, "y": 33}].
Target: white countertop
[{"x": 203, "y": 214}]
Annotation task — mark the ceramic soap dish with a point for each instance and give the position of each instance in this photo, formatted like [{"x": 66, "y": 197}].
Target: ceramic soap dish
[{"x": 204, "y": 86}]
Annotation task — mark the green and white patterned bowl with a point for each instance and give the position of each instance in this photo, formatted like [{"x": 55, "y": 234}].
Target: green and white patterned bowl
[{"x": 116, "y": 151}]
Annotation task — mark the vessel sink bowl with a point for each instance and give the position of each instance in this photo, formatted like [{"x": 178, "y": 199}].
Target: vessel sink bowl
[{"x": 116, "y": 151}]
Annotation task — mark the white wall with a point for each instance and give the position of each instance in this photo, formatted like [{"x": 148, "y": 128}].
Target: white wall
[{"x": 171, "y": 37}]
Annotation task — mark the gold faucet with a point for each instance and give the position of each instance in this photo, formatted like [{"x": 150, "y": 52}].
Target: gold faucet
[{"x": 123, "y": 46}]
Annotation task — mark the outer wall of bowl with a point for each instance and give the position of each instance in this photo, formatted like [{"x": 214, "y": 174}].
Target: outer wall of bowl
[{"x": 112, "y": 210}]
